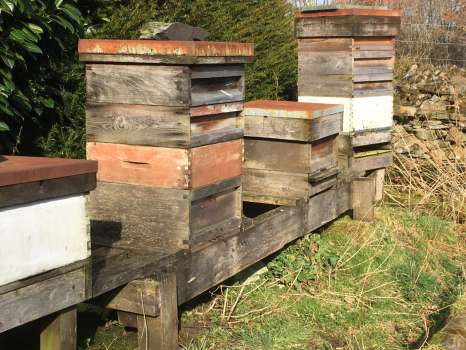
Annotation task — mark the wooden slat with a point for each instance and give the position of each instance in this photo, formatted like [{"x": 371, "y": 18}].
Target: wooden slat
[
  {"x": 321, "y": 209},
  {"x": 217, "y": 136},
  {"x": 47, "y": 189},
  {"x": 373, "y": 70},
  {"x": 217, "y": 91},
  {"x": 217, "y": 162},
  {"x": 367, "y": 89},
  {"x": 139, "y": 216},
  {"x": 201, "y": 270},
  {"x": 138, "y": 125},
  {"x": 43, "y": 298},
  {"x": 277, "y": 155},
  {"x": 363, "y": 199},
  {"x": 364, "y": 48},
  {"x": 203, "y": 125},
  {"x": 310, "y": 84},
  {"x": 373, "y": 162},
  {"x": 139, "y": 84},
  {"x": 371, "y": 137},
  {"x": 208, "y": 72},
  {"x": 323, "y": 156},
  {"x": 139, "y": 165},
  {"x": 60, "y": 331},
  {"x": 216, "y": 109},
  {"x": 215, "y": 188},
  {"x": 325, "y": 126}
]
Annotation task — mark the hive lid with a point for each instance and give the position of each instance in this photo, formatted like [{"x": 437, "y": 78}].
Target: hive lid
[
  {"x": 290, "y": 109},
  {"x": 18, "y": 170},
  {"x": 156, "y": 51}
]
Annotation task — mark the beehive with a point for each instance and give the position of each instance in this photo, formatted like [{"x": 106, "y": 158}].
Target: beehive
[
  {"x": 163, "y": 120},
  {"x": 43, "y": 219},
  {"x": 346, "y": 56},
  {"x": 289, "y": 150}
]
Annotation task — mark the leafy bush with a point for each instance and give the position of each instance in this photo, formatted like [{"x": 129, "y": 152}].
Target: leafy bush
[{"x": 35, "y": 35}]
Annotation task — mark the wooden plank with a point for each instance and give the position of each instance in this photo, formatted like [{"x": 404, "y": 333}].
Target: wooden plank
[
  {"x": 377, "y": 161},
  {"x": 156, "y": 333},
  {"x": 326, "y": 126},
  {"x": 138, "y": 84},
  {"x": 323, "y": 156},
  {"x": 47, "y": 189},
  {"x": 138, "y": 125},
  {"x": 371, "y": 137},
  {"x": 139, "y": 216},
  {"x": 202, "y": 270},
  {"x": 367, "y": 89},
  {"x": 215, "y": 188},
  {"x": 293, "y": 129},
  {"x": 43, "y": 298},
  {"x": 202, "y": 125},
  {"x": 277, "y": 155},
  {"x": 327, "y": 46},
  {"x": 364, "y": 48},
  {"x": 137, "y": 297},
  {"x": 274, "y": 187},
  {"x": 127, "y": 320},
  {"x": 216, "y": 109},
  {"x": 321, "y": 209},
  {"x": 60, "y": 331},
  {"x": 220, "y": 71},
  {"x": 139, "y": 165},
  {"x": 373, "y": 70},
  {"x": 344, "y": 194},
  {"x": 310, "y": 84},
  {"x": 325, "y": 63},
  {"x": 379, "y": 178},
  {"x": 217, "y": 90},
  {"x": 217, "y": 162},
  {"x": 218, "y": 136},
  {"x": 214, "y": 210},
  {"x": 363, "y": 199},
  {"x": 322, "y": 185}
]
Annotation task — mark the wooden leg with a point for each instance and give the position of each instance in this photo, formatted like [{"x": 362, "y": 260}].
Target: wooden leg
[
  {"x": 363, "y": 199},
  {"x": 161, "y": 332},
  {"x": 59, "y": 332},
  {"x": 379, "y": 176}
]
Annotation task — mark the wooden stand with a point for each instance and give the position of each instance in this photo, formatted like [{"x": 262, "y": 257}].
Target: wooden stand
[{"x": 363, "y": 199}]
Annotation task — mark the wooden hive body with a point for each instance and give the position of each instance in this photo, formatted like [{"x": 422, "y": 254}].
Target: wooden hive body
[
  {"x": 163, "y": 119},
  {"x": 43, "y": 216},
  {"x": 289, "y": 150},
  {"x": 346, "y": 56}
]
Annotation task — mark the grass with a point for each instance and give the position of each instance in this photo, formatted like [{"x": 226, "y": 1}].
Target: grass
[{"x": 387, "y": 285}]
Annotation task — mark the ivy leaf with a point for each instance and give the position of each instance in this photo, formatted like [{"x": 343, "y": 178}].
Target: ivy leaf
[
  {"x": 4, "y": 127},
  {"x": 35, "y": 28}
]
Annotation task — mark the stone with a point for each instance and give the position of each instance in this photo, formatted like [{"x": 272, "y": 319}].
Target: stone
[
  {"x": 172, "y": 31},
  {"x": 425, "y": 135},
  {"x": 405, "y": 111},
  {"x": 455, "y": 135}
]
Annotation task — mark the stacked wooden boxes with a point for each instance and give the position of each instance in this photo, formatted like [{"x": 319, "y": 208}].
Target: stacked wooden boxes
[
  {"x": 346, "y": 56},
  {"x": 163, "y": 122},
  {"x": 289, "y": 150},
  {"x": 43, "y": 219}
]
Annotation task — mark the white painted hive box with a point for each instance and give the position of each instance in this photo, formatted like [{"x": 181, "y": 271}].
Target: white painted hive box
[{"x": 43, "y": 219}]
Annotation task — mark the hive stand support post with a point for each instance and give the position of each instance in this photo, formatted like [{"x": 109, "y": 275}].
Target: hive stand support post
[
  {"x": 59, "y": 332},
  {"x": 379, "y": 176},
  {"x": 127, "y": 319},
  {"x": 161, "y": 332},
  {"x": 363, "y": 198}
]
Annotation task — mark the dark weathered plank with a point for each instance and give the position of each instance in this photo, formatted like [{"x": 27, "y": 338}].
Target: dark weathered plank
[
  {"x": 344, "y": 194},
  {"x": 371, "y": 162},
  {"x": 127, "y": 319},
  {"x": 215, "y": 188},
  {"x": 209, "y": 72},
  {"x": 277, "y": 155},
  {"x": 139, "y": 216},
  {"x": 47, "y": 189},
  {"x": 321, "y": 209},
  {"x": 217, "y": 90},
  {"x": 367, "y": 89},
  {"x": 43, "y": 298},
  {"x": 379, "y": 176},
  {"x": 217, "y": 136},
  {"x": 323, "y": 155},
  {"x": 363, "y": 193},
  {"x": 325, "y": 126},
  {"x": 138, "y": 297},
  {"x": 161, "y": 332},
  {"x": 310, "y": 84},
  {"x": 373, "y": 70},
  {"x": 199, "y": 271},
  {"x": 138, "y": 84},
  {"x": 371, "y": 137},
  {"x": 138, "y": 125},
  {"x": 60, "y": 331}
]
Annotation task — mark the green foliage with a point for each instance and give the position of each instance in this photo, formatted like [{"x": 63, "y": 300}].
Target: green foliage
[
  {"x": 267, "y": 23},
  {"x": 35, "y": 35}
]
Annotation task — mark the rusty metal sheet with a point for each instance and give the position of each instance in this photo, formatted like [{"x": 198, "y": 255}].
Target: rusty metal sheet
[
  {"x": 350, "y": 12},
  {"x": 165, "y": 48},
  {"x": 17, "y": 170},
  {"x": 290, "y": 109}
]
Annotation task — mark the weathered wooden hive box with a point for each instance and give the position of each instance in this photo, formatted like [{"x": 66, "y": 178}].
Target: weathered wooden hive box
[
  {"x": 346, "y": 56},
  {"x": 163, "y": 120},
  {"x": 43, "y": 220},
  {"x": 289, "y": 150}
]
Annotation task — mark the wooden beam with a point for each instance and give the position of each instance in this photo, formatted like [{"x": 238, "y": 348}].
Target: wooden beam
[
  {"x": 363, "y": 199},
  {"x": 137, "y": 297},
  {"x": 59, "y": 332}
]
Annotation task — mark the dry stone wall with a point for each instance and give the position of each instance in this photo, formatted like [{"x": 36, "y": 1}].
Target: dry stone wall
[{"x": 430, "y": 113}]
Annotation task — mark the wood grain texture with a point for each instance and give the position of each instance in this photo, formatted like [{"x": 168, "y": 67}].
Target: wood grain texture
[
  {"x": 60, "y": 331},
  {"x": 277, "y": 155},
  {"x": 310, "y": 84},
  {"x": 131, "y": 216},
  {"x": 371, "y": 137},
  {"x": 217, "y": 90},
  {"x": 373, "y": 48},
  {"x": 321, "y": 209},
  {"x": 216, "y": 109},
  {"x": 217, "y": 162},
  {"x": 199, "y": 271},
  {"x": 363, "y": 199},
  {"x": 373, "y": 70},
  {"x": 323, "y": 155},
  {"x": 379, "y": 161},
  {"x": 150, "y": 166},
  {"x": 138, "y": 125},
  {"x": 47, "y": 189},
  {"x": 43, "y": 298},
  {"x": 137, "y": 297},
  {"x": 379, "y": 176},
  {"x": 367, "y": 89},
  {"x": 220, "y": 71},
  {"x": 138, "y": 84}
]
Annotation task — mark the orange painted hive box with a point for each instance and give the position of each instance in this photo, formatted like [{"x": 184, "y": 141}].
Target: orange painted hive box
[
  {"x": 163, "y": 120},
  {"x": 289, "y": 152}
]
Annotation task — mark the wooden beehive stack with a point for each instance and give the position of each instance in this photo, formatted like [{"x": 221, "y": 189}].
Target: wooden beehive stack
[
  {"x": 289, "y": 150},
  {"x": 43, "y": 219},
  {"x": 346, "y": 56},
  {"x": 163, "y": 121}
]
